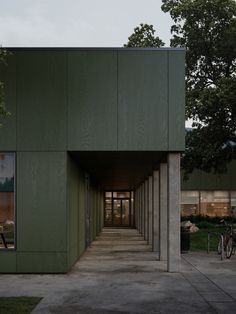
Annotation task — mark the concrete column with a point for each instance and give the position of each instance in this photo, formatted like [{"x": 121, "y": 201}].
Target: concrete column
[
  {"x": 138, "y": 213},
  {"x": 173, "y": 212},
  {"x": 139, "y": 205},
  {"x": 146, "y": 209},
  {"x": 142, "y": 209},
  {"x": 135, "y": 210},
  {"x": 156, "y": 208},
  {"x": 150, "y": 204},
  {"x": 163, "y": 212}
]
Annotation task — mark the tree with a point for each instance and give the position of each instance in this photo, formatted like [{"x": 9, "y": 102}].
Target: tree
[
  {"x": 207, "y": 28},
  {"x": 144, "y": 36},
  {"x": 3, "y": 111}
]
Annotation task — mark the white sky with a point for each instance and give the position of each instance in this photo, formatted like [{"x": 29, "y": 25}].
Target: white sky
[{"x": 81, "y": 23}]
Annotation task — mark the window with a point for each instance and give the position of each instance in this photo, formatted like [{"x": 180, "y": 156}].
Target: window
[
  {"x": 233, "y": 203},
  {"x": 215, "y": 203},
  {"x": 189, "y": 203},
  {"x": 7, "y": 200}
]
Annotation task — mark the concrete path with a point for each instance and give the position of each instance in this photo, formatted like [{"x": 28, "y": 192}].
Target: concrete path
[{"x": 119, "y": 274}]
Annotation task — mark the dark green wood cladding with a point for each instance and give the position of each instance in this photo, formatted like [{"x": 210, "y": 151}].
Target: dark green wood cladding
[
  {"x": 41, "y": 100},
  {"x": 8, "y": 131},
  {"x": 176, "y": 95},
  {"x": 143, "y": 100},
  {"x": 92, "y": 100},
  {"x": 41, "y": 202},
  {"x": 200, "y": 180},
  {"x": 8, "y": 261}
]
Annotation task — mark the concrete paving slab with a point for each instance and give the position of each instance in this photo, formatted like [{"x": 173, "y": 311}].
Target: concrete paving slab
[{"x": 111, "y": 279}]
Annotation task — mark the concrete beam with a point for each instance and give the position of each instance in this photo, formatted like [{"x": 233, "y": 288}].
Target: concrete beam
[
  {"x": 163, "y": 212},
  {"x": 156, "y": 207},
  {"x": 173, "y": 213},
  {"x": 150, "y": 207}
]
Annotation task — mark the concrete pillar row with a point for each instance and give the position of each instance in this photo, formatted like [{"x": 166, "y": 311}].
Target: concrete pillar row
[
  {"x": 155, "y": 213},
  {"x": 146, "y": 209},
  {"x": 150, "y": 207},
  {"x": 163, "y": 212},
  {"x": 173, "y": 212}
]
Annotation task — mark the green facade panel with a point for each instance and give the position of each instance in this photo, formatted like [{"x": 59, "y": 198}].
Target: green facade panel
[
  {"x": 143, "y": 100},
  {"x": 82, "y": 214},
  {"x": 41, "y": 100},
  {"x": 72, "y": 211},
  {"x": 200, "y": 180},
  {"x": 8, "y": 131},
  {"x": 92, "y": 100},
  {"x": 41, "y": 202},
  {"x": 42, "y": 262},
  {"x": 76, "y": 207},
  {"x": 176, "y": 99},
  {"x": 8, "y": 261}
]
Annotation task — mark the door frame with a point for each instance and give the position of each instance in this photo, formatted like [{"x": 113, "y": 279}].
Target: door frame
[
  {"x": 112, "y": 209},
  {"x": 121, "y": 218}
]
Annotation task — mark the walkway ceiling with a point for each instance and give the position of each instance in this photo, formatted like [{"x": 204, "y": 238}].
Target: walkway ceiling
[{"x": 119, "y": 170}]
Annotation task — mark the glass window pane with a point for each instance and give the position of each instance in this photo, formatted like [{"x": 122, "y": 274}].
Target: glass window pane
[
  {"x": 189, "y": 203},
  {"x": 121, "y": 194},
  {"x": 108, "y": 194},
  {"x": 7, "y": 190},
  {"x": 233, "y": 203},
  {"x": 215, "y": 203}
]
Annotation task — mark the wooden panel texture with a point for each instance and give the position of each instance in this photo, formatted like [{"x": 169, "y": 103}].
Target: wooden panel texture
[
  {"x": 92, "y": 100},
  {"x": 176, "y": 101},
  {"x": 8, "y": 131},
  {"x": 41, "y": 101},
  {"x": 41, "y": 202},
  {"x": 142, "y": 100}
]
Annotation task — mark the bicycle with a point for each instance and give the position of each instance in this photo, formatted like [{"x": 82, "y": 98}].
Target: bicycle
[{"x": 227, "y": 240}]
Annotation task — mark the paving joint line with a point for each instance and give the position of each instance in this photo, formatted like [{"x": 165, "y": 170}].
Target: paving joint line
[{"x": 212, "y": 282}]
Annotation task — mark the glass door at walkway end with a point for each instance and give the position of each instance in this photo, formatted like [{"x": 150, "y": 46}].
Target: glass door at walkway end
[{"x": 118, "y": 209}]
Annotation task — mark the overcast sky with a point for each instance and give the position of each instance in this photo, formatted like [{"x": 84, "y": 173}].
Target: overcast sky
[{"x": 81, "y": 23}]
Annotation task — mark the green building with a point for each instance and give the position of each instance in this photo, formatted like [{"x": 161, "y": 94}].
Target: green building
[
  {"x": 94, "y": 138},
  {"x": 210, "y": 194}
]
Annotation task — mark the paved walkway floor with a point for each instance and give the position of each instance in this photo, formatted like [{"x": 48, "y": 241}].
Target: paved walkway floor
[{"x": 119, "y": 274}]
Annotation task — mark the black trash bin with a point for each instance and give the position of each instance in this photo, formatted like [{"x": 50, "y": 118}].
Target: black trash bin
[{"x": 185, "y": 239}]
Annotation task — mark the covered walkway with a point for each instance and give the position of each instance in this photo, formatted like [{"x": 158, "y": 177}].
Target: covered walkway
[{"x": 119, "y": 274}]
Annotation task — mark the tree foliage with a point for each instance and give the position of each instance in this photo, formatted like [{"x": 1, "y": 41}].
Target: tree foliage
[
  {"x": 207, "y": 28},
  {"x": 3, "y": 111},
  {"x": 144, "y": 36}
]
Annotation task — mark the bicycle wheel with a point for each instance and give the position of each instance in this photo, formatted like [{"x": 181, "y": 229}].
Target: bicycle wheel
[
  {"x": 229, "y": 248},
  {"x": 219, "y": 247}
]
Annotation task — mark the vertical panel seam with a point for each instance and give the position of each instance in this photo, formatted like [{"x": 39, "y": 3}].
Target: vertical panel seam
[
  {"x": 168, "y": 100},
  {"x": 117, "y": 100},
  {"x": 67, "y": 97}
]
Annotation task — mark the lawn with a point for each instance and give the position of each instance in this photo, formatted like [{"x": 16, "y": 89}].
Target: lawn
[
  {"x": 18, "y": 305},
  {"x": 198, "y": 240}
]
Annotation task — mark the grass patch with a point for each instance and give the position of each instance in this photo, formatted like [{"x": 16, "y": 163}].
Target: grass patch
[
  {"x": 18, "y": 305},
  {"x": 198, "y": 240}
]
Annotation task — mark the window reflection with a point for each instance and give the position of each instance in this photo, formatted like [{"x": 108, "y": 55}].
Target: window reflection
[
  {"x": 189, "y": 203},
  {"x": 215, "y": 203},
  {"x": 7, "y": 212}
]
